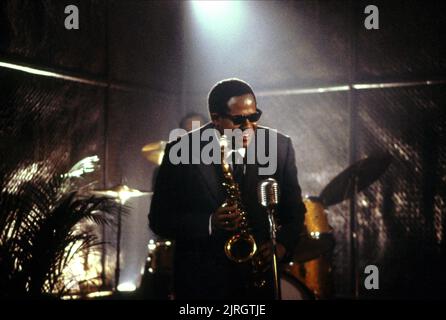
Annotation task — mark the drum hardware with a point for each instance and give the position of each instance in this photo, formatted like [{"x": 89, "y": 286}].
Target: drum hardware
[
  {"x": 157, "y": 278},
  {"x": 317, "y": 237},
  {"x": 160, "y": 256},
  {"x": 122, "y": 194}
]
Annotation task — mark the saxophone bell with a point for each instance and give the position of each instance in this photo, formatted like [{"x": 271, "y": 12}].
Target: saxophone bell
[{"x": 240, "y": 247}]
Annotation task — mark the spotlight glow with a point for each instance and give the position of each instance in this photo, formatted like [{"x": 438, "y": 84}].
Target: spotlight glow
[
  {"x": 126, "y": 287},
  {"x": 212, "y": 8},
  {"x": 99, "y": 294},
  {"x": 218, "y": 17}
]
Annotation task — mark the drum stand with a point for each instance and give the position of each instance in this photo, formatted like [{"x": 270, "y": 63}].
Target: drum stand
[{"x": 273, "y": 229}]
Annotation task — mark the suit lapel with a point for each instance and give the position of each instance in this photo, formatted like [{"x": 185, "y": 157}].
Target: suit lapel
[
  {"x": 250, "y": 183},
  {"x": 210, "y": 173}
]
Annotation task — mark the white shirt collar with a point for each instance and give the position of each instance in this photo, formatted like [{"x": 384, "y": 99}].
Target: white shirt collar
[{"x": 240, "y": 151}]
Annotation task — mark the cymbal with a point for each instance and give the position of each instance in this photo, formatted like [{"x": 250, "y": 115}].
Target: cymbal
[
  {"x": 154, "y": 151},
  {"x": 355, "y": 178},
  {"x": 121, "y": 192}
]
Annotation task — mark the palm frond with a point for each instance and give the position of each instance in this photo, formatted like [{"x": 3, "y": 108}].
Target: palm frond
[{"x": 39, "y": 233}]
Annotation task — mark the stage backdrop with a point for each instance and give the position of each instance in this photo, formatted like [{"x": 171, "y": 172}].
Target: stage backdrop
[{"x": 140, "y": 66}]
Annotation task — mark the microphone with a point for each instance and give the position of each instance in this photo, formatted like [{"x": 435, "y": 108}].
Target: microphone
[
  {"x": 269, "y": 198},
  {"x": 269, "y": 193}
]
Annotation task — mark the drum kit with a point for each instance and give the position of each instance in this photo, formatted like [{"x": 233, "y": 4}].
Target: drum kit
[
  {"x": 122, "y": 194},
  {"x": 311, "y": 263},
  {"x": 308, "y": 276}
]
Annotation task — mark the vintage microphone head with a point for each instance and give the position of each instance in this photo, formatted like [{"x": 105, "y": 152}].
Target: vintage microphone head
[{"x": 268, "y": 192}]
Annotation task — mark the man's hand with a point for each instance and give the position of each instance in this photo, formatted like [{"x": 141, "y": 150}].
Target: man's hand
[
  {"x": 264, "y": 255},
  {"x": 226, "y": 218}
]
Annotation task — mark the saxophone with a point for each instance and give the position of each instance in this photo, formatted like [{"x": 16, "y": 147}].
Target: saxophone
[{"x": 241, "y": 246}]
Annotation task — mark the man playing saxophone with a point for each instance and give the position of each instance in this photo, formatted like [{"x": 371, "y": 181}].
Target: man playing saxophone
[{"x": 208, "y": 206}]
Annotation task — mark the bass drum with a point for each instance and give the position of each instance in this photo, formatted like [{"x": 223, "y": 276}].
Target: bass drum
[{"x": 292, "y": 289}]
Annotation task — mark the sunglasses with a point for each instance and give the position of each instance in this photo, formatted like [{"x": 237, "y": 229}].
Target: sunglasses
[{"x": 238, "y": 120}]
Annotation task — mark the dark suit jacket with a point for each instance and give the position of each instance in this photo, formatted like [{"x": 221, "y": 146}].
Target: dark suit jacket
[{"x": 186, "y": 195}]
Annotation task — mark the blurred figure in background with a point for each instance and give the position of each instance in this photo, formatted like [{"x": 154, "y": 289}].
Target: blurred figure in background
[
  {"x": 186, "y": 121},
  {"x": 158, "y": 275},
  {"x": 186, "y": 124}
]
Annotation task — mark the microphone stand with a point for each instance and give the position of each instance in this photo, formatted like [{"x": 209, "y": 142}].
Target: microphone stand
[{"x": 273, "y": 230}]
